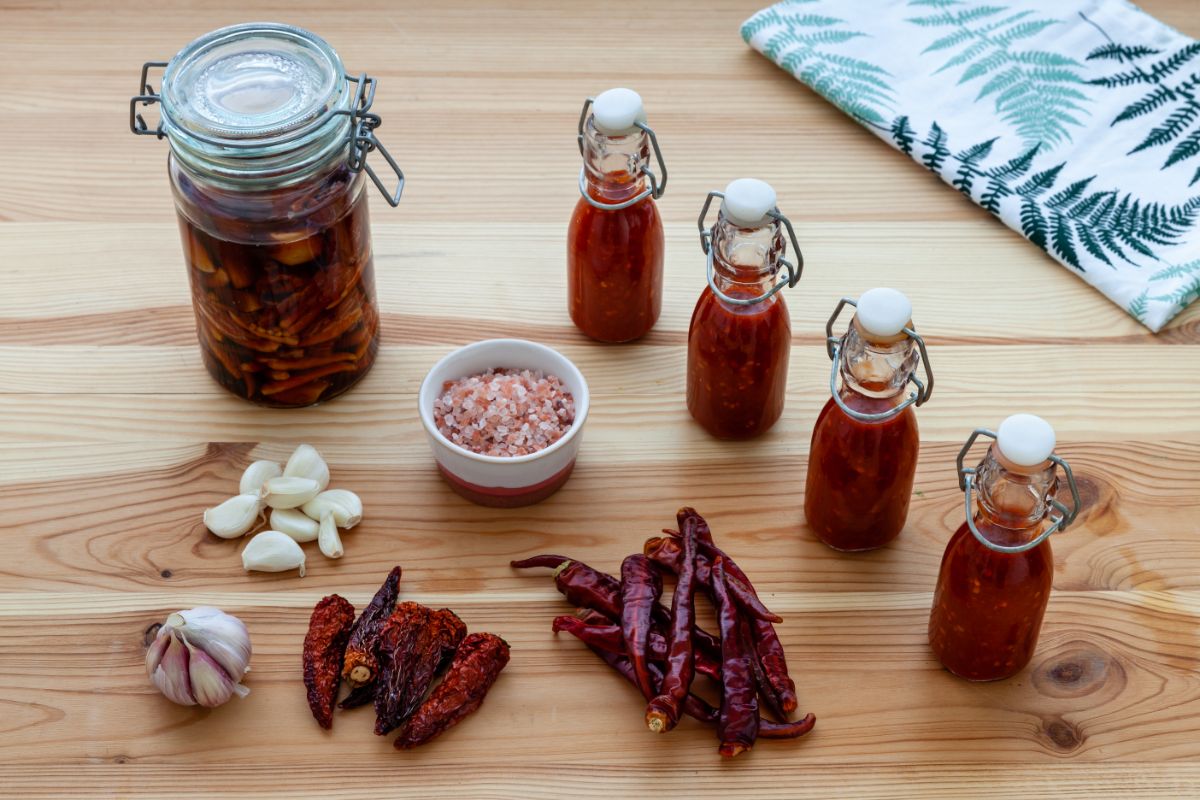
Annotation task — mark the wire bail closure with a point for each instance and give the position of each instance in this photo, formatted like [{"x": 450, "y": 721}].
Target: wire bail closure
[
  {"x": 791, "y": 278},
  {"x": 657, "y": 187},
  {"x": 833, "y": 346},
  {"x": 362, "y": 139},
  {"x": 966, "y": 482}
]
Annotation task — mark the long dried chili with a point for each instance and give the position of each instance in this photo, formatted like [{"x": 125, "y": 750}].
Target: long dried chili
[
  {"x": 408, "y": 674},
  {"x": 641, "y": 587},
  {"x": 398, "y": 649},
  {"x": 361, "y": 665},
  {"x": 476, "y": 665},
  {"x": 606, "y": 636},
  {"x": 324, "y": 644},
  {"x": 738, "y": 727},
  {"x": 662, "y": 713},
  {"x": 667, "y": 552}
]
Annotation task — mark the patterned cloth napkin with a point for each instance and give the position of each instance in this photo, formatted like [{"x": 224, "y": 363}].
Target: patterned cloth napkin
[{"x": 1076, "y": 122}]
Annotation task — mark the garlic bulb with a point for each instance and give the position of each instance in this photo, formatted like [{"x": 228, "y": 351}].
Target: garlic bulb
[
  {"x": 295, "y": 524},
  {"x": 288, "y": 492},
  {"x": 257, "y": 474},
  {"x": 306, "y": 462},
  {"x": 328, "y": 539},
  {"x": 345, "y": 505},
  {"x": 272, "y": 551},
  {"x": 235, "y": 516},
  {"x": 199, "y": 657}
]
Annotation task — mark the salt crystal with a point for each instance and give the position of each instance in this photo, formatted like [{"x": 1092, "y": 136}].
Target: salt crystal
[{"x": 504, "y": 412}]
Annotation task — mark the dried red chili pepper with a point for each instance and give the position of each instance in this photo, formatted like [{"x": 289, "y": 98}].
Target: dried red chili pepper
[
  {"x": 396, "y": 649},
  {"x": 766, "y": 640},
  {"x": 786, "y": 730},
  {"x": 662, "y": 713},
  {"x": 667, "y": 552},
  {"x": 641, "y": 587},
  {"x": 606, "y": 636},
  {"x": 324, "y": 645},
  {"x": 738, "y": 727},
  {"x": 361, "y": 665},
  {"x": 476, "y": 665}
]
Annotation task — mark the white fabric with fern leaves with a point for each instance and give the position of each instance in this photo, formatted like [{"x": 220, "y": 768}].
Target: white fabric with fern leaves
[{"x": 1076, "y": 122}]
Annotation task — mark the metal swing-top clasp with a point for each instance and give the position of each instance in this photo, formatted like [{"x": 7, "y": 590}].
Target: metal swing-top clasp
[
  {"x": 362, "y": 139},
  {"x": 657, "y": 185},
  {"x": 966, "y": 482},
  {"x": 833, "y": 346},
  {"x": 792, "y": 274}
]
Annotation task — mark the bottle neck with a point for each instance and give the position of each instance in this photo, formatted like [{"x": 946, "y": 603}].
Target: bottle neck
[
  {"x": 1013, "y": 497},
  {"x": 613, "y": 164},
  {"x": 875, "y": 367},
  {"x": 746, "y": 260}
]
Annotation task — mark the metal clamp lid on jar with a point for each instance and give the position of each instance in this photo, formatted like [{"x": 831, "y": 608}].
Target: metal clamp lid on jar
[
  {"x": 361, "y": 138},
  {"x": 1033, "y": 440},
  {"x": 833, "y": 346},
  {"x": 748, "y": 202},
  {"x": 622, "y": 110}
]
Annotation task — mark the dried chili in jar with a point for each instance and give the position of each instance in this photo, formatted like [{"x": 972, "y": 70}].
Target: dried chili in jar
[{"x": 269, "y": 138}]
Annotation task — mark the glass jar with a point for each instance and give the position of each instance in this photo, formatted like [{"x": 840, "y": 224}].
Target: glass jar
[
  {"x": 865, "y": 443},
  {"x": 269, "y": 138},
  {"x": 615, "y": 238},
  {"x": 740, "y": 336},
  {"x": 997, "y": 570}
]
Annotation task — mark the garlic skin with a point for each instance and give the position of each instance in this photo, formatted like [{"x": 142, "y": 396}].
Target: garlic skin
[
  {"x": 289, "y": 492},
  {"x": 235, "y": 517},
  {"x": 199, "y": 657},
  {"x": 328, "y": 540},
  {"x": 272, "y": 551},
  {"x": 345, "y": 505},
  {"x": 257, "y": 474},
  {"x": 295, "y": 523},
  {"x": 306, "y": 462}
]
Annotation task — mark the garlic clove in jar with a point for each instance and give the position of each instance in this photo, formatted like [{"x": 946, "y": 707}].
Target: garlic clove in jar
[
  {"x": 222, "y": 636},
  {"x": 306, "y": 462},
  {"x": 272, "y": 551},
  {"x": 295, "y": 523},
  {"x": 345, "y": 505},
  {"x": 235, "y": 517},
  {"x": 257, "y": 474},
  {"x": 328, "y": 540},
  {"x": 289, "y": 492}
]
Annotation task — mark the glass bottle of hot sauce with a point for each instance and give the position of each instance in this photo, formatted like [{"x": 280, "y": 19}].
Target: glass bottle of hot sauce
[
  {"x": 997, "y": 570},
  {"x": 865, "y": 443},
  {"x": 740, "y": 335},
  {"x": 615, "y": 239}
]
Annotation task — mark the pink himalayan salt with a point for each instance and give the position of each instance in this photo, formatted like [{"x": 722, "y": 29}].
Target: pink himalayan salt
[{"x": 504, "y": 412}]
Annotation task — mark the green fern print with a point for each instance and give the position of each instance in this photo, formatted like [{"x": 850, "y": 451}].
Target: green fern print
[
  {"x": 804, "y": 48},
  {"x": 1106, "y": 224},
  {"x": 1035, "y": 91},
  {"x": 1173, "y": 81},
  {"x": 1184, "y": 294}
]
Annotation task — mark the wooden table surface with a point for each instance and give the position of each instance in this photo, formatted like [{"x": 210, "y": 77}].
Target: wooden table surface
[{"x": 113, "y": 439}]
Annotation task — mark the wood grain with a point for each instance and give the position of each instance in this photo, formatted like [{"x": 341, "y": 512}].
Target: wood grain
[{"x": 113, "y": 439}]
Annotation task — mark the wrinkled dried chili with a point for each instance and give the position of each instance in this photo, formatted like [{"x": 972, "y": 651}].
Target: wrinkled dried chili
[
  {"x": 662, "y": 713},
  {"x": 608, "y": 637},
  {"x": 738, "y": 726},
  {"x": 425, "y": 642},
  {"x": 641, "y": 587},
  {"x": 666, "y": 552},
  {"x": 476, "y": 665},
  {"x": 328, "y": 631},
  {"x": 361, "y": 664}
]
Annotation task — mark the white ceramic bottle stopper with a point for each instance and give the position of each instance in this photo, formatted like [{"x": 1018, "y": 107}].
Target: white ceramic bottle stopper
[
  {"x": 616, "y": 112},
  {"x": 747, "y": 202},
  {"x": 1025, "y": 440},
  {"x": 883, "y": 312}
]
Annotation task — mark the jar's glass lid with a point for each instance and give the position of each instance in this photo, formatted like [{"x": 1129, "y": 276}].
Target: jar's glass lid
[{"x": 255, "y": 81}]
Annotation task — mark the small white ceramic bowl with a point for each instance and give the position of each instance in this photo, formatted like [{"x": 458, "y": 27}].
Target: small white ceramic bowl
[{"x": 492, "y": 480}]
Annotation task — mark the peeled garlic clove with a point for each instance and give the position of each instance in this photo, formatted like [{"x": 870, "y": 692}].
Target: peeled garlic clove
[
  {"x": 328, "y": 540},
  {"x": 346, "y": 507},
  {"x": 235, "y": 517},
  {"x": 295, "y": 523},
  {"x": 171, "y": 674},
  {"x": 221, "y": 636},
  {"x": 287, "y": 492},
  {"x": 306, "y": 462},
  {"x": 257, "y": 474},
  {"x": 272, "y": 551}
]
